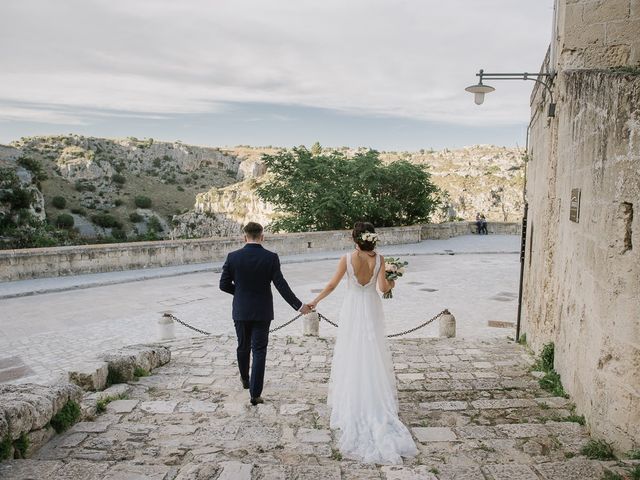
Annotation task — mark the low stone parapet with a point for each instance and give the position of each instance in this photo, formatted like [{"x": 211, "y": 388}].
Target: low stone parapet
[
  {"x": 72, "y": 260},
  {"x": 441, "y": 231},
  {"x": 80, "y": 259}
]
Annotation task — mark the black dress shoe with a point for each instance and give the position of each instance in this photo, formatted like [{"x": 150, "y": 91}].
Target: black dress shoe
[
  {"x": 256, "y": 400},
  {"x": 245, "y": 383}
]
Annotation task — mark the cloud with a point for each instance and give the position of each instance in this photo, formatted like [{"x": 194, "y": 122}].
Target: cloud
[{"x": 401, "y": 58}]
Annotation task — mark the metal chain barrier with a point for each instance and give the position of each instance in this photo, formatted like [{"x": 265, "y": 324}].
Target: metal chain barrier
[
  {"x": 285, "y": 324},
  {"x": 424, "y": 324},
  {"x": 173, "y": 317},
  {"x": 432, "y": 319},
  {"x": 322, "y": 317}
]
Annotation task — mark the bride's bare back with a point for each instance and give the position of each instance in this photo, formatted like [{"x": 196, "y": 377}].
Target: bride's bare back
[{"x": 363, "y": 266}]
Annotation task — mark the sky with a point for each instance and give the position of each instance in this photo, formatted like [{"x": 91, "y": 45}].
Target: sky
[{"x": 385, "y": 74}]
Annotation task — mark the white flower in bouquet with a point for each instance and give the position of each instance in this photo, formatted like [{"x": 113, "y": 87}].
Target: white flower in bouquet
[{"x": 394, "y": 269}]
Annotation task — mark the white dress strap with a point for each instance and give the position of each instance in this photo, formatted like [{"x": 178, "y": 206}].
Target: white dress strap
[{"x": 347, "y": 257}]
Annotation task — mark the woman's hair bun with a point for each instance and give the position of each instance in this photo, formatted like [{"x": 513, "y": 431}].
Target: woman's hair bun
[{"x": 361, "y": 228}]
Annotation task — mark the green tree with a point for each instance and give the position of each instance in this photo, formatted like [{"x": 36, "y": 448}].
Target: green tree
[{"x": 332, "y": 191}]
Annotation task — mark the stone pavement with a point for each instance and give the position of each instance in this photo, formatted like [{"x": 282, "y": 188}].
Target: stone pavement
[
  {"x": 44, "y": 334},
  {"x": 473, "y": 406}
]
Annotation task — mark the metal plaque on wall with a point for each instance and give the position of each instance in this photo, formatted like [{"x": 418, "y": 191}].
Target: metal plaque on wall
[{"x": 574, "y": 207}]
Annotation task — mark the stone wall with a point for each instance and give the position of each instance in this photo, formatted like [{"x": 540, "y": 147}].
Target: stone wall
[
  {"x": 440, "y": 231},
  {"x": 598, "y": 33},
  {"x": 60, "y": 261},
  {"x": 582, "y": 279}
]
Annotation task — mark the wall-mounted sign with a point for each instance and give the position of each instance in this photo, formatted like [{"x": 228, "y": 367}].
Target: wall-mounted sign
[{"x": 574, "y": 207}]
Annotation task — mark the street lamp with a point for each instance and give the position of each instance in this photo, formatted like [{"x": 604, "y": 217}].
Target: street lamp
[{"x": 480, "y": 89}]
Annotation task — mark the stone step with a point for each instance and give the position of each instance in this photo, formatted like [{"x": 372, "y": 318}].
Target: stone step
[{"x": 479, "y": 416}]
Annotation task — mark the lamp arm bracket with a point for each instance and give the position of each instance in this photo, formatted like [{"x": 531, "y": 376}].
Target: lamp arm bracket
[{"x": 520, "y": 76}]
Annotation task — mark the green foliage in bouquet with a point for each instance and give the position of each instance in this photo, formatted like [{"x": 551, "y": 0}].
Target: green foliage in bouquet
[
  {"x": 317, "y": 190},
  {"x": 393, "y": 269}
]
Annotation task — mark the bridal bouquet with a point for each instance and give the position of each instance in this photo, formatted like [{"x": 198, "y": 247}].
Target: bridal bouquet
[{"x": 394, "y": 269}]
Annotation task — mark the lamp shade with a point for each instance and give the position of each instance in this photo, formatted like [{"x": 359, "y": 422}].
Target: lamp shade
[{"x": 479, "y": 91}]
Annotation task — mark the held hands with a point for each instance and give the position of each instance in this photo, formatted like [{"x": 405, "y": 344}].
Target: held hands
[{"x": 308, "y": 308}]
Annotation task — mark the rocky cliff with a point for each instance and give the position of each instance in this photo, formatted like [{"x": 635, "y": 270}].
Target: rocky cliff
[
  {"x": 479, "y": 179},
  {"x": 115, "y": 188},
  {"x": 127, "y": 189}
]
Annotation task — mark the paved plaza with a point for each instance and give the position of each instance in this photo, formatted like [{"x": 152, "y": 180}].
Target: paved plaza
[
  {"x": 472, "y": 403},
  {"x": 473, "y": 407},
  {"x": 50, "y": 325}
]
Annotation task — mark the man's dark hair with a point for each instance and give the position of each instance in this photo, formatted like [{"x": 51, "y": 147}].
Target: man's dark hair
[{"x": 253, "y": 230}]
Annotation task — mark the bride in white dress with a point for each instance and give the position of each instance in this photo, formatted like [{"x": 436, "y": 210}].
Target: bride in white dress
[{"x": 362, "y": 389}]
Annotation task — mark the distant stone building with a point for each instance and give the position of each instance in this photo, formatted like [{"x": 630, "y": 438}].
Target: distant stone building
[{"x": 582, "y": 261}]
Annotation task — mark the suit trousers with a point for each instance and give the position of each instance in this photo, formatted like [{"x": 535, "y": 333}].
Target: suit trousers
[{"x": 253, "y": 337}]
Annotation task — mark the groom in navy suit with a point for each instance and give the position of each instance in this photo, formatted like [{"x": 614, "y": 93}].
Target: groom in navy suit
[{"x": 247, "y": 275}]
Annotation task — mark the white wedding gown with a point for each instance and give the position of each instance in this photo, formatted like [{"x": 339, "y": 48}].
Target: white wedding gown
[{"x": 362, "y": 388}]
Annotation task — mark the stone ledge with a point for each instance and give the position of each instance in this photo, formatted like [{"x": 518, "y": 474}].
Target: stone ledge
[
  {"x": 27, "y": 409},
  {"x": 122, "y": 363},
  {"x": 90, "y": 376}
]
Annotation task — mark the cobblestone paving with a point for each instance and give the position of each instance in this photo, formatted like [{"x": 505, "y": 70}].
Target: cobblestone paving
[
  {"x": 474, "y": 408},
  {"x": 53, "y": 332}
]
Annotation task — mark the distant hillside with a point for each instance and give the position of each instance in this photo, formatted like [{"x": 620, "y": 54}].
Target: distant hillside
[
  {"x": 479, "y": 179},
  {"x": 73, "y": 189}
]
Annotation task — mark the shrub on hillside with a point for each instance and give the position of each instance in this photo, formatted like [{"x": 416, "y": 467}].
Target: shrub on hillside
[
  {"x": 105, "y": 220},
  {"x": 59, "y": 202},
  {"x": 20, "y": 198},
  {"x": 118, "y": 178},
  {"x": 142, "y": 202},
  {"x": 81, "y": 186},
  {"x": 155, "y": 225},
  {"x": 118, "y": 234},
  {"x": 64, "y": 220},
  {"x": 135, "y": 217},
  {"x": 34, "y": 167}
]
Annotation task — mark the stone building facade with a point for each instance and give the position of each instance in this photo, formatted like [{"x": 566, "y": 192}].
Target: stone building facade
[{"x": 582, "y": 261}]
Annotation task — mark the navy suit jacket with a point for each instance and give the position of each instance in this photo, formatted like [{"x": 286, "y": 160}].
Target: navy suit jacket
[{"x": 247, "y": 275}]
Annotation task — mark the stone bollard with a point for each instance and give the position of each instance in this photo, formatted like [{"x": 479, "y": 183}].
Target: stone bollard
[
  {"x": 166, "y": 328},
  {"x": 447, "y": 325},
  {"x": 311, "y": 324}
]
